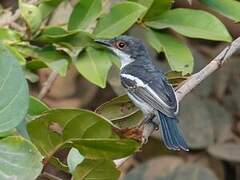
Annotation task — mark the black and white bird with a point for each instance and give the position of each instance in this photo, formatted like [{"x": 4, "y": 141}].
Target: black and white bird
[{"x": 148, "y": 88}]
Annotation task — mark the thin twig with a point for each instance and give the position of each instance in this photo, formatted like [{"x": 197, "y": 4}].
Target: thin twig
[
  {"x": 48, "y": 84},
  {"x": 18, "y": 27},
  {"x": 215, "y": 64},
  {"x": 193, "y": 81}
]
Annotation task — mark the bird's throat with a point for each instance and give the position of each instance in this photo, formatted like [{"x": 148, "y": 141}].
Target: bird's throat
[{"x": 124, "y": 58}]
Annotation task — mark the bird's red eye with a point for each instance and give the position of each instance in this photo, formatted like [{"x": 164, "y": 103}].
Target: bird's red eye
[{"x": 120, "y": 44}]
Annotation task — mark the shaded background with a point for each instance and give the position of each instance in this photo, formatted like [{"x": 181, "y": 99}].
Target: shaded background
[{"x": 210, "y": 115}]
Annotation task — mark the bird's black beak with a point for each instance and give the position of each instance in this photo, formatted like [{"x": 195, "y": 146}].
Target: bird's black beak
[{"x": 103, "y": 42}]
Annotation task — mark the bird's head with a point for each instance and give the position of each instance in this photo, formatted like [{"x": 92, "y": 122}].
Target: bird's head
[{"x": 127, "y": 48}]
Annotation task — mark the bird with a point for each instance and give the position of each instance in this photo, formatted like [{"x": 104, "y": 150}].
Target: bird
[{"x": 147, "y": 87}]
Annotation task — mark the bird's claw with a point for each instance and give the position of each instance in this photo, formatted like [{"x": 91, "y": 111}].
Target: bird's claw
[{"x": 144, "y": 140}]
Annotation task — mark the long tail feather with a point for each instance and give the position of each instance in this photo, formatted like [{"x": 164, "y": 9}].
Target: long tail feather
[{"x": 172, "y": 136}]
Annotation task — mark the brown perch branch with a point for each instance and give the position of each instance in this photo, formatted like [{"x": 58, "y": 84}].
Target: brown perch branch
[{"x": 193, "y": 81}]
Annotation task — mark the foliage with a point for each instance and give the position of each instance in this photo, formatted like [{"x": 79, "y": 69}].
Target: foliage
[{"x": 32, "y": 133}]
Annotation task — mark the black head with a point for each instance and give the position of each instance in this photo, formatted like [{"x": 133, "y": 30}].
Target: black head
[{"x": 127, "y": 48}]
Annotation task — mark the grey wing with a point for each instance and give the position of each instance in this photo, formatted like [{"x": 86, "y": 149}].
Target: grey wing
[{"x": 157, "y": 93}]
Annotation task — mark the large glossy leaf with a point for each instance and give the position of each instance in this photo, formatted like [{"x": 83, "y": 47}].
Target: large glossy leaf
[
  {"x": 56, "y": 60},
  {"x": 74, "y": 40},
  {"x": 229, "y": 8},
  {"x": 192, "y": 23},
  {"x": 94, "y": 65},
  {"x": 88, "y": 132},
  {"x": 31, "y": 14},
  {"x": 13, "y": 91},
  {"x": 45, "y": 57},
  {"x": 121, "y": 17},
  {"x": 178, "y": 54},
  {"x": 108, "y": 148},
  {"x": 22, "y": 61},
  {"x": 19, "y": 159},
  {"x": 36, "y": 107},
  {"x": 96, "y": 169},
  {"x": 145, "y": 3},
  {"x": 175, "y": 78},
  {"x": 117, "y": 108},
  {"x": 46, "y": 131},
  {"x": 55, "y": 34},
  {"x": 84, "y": 13},
  {"x": 157, "y": 8},
  {"x": 121, "y": 112},
  {"x": 30, "y": 76}
]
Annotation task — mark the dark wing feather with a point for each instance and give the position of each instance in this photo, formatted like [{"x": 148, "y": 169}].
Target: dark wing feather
[{"x": 157, "y": 93}]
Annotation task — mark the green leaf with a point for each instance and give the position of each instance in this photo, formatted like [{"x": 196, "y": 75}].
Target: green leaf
[
  {"x": 178, "y": 54},
  {"x": 90, "y": 133},
  {"x": 54, "y": 59},
  {"x": 157, "y": 8},
  {"x": 55, "y": 34},
  {"x": 121, "y": 112},
  {"x": 117, "y": 108},
  {"x": 7, "y": 133},
  {"x": 108, "y": 148},
  {"x": 74, "y": 40},
  {"x": 8, "y": 35},
  {"x": 228, "y": 8},
  {"x": 94, "y": 65},
  {"x": 121, "y": 17},
  {"x": 19, "y": 159},
  {"x": 96, "y": 169},
  {"x": 32, "y": 77},
  {"x": 192, "y": 23},
  {"x": 73, "y": 159},
  {"x": 84, "y": 13},
  {"x": 13, "y": 91},
  {"x": 58, "y": 164},
  {"x": 46, "y": 57},
  {"x": 175, "y": 78},
  {"x": 36, "y": 107},
  {"x": 31, "y": 15},
  {"x": 20, "y": 58},
  {"x": 129, "y": 122},
  {"x": 145, "y": 3},
  {"x": 48, "y": 6},
  {"x": 44, "y": 136}
]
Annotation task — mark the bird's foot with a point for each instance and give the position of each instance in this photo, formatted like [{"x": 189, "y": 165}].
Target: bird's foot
[{"x": 148, "y": 130}]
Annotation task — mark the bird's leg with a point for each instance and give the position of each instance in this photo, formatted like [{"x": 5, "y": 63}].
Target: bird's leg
[
  {"x": 147, "y": 118},
  {"x": 148, "y": 126}
]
